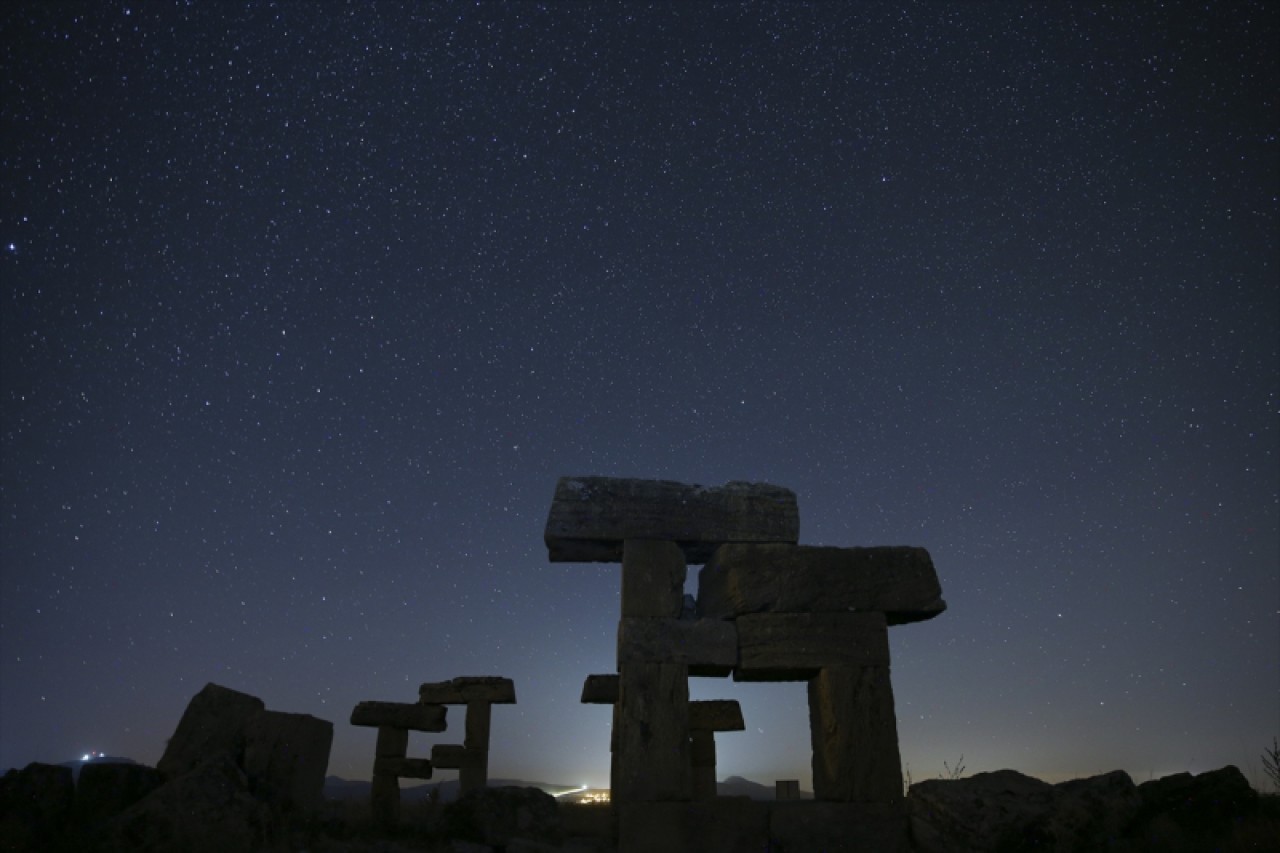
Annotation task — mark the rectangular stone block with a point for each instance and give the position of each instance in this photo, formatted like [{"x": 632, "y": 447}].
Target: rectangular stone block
[
  {"x": 707, "y": 646},
  {"x": 838, "y": 827},
  {"x": 448, "y": 756},
  {"x": 652, "y": 745},
  {"x": 461, "y": 691},
  {"x": 591, "y": 517},
  {"x": 794, "y": 646},
  {"x": 405, "y": 768},
  {"x": 786, "y": 789},
  {"x": 392, "y": 742},
  {"x": 386, "y": 799},
  {"x": 898, "y": 581},
  {"x": 286, "y": 756},
  {"x": 401, "y": 715},
  {"x": 854, "y": 733},
  {"x": 716, "y": 715},
  {"x": 653, "y": 574},
  {"x": 600, "y": 690}
]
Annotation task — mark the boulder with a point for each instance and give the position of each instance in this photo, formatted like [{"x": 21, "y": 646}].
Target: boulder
[
  {"x": 1198, "y": 806},
  {"x": 215, "y": 722},
  {"x": 976, "y": 814},
  {"x": 206, "y": 810},
  {"x": 498, "y": 816},
  {"x": 105, "y": 789},
  {"x": 35, "y": 804},
  {"x": 741, "y": 579},
  {"x": 469, "y": 688},
  {"x": 285, "y": 758},
  {"x": 591, "y": 517}
]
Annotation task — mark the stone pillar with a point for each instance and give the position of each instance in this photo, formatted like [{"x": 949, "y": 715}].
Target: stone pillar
[
  {"x": 855, "y": 735},
  {"x": 652, "y": 758},
  {"x": 394, "y": 720}
]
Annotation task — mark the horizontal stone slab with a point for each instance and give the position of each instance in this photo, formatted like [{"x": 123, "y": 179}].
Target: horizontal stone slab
[
  {"x": 460, "y": 691},
  {"x": 794, "y": 646},
  {"x": 448, "y": 756},
  {"x": 405, "y": 768},
  {"x": 716, "y": 715},
  {"x": 600, "y": 690},
  {"x": 708, "y": 646},
  {"x": 400, "y": 715},
  {"x": 898, "y": 581},
  {"x": 591, "y": 517}
]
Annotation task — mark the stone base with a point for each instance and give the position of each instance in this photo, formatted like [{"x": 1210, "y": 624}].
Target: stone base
[{"x": 739, "y": 825}]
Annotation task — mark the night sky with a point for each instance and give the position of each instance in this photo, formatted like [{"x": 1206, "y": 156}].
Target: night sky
[{"x": 307, "y": 306}]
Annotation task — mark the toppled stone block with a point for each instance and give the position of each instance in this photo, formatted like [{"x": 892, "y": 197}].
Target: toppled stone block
[
  {"x": 467, "y": 689},
  {"x": 215, "y": 722},
  {"x": 708, "y": 646},
  {"x": 794, "y": 646},
  {"x": 286, "y": 756},
  {"x": 653, "y": 575},
  {"x": 591, "y": 517},
  {"x": 898, "y": 581},
  {"x": 414, "y": 716}
]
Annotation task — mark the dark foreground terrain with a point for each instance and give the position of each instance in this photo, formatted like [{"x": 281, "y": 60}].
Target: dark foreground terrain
[{"x": 129, "y": 807}]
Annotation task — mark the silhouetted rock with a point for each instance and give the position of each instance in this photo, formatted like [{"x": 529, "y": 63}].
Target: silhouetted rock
[
  {"x": 206, "y": 810},
  {"x": 838, "y": 827},
  {"x": 35, "y": 804},
  {"x": 105, "y": 789},
  {"x": 215, "y": 723},
  {"x": 975, "y": 814},
  {"x": 1198, "y": 806},
  {"x": 497, "y": 816}
]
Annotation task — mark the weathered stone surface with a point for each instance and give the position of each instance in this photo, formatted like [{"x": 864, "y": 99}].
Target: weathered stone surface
[
  {"x": 209, "y": 809},
  {"x": 215, "y": 722},
  {"x": 794, "y": 646},
  {"x": 500, "y": 816},
  {"x": 716, "y": 715},
  {"x": 653, "y": 575},
  {"x": 1195, "y": 806},
  {"x": 285, "y": 758},
  {"x": 707, "y": 646},
  {"x": 35, "y": 804},
  {"x": 105, "y": 788},
  {"x": 979, "y": 813},
  {"x": 392, "y": 742},
  {"x": 600, "y": 690},
  {"x": 652, "y": 745},
  {"x": 448, "y": 756},
  {"x": 591, "y": 516},
  {"x": 742, "y": 579},
  {"x": 405, "y": 768},
  {"x": 468, "y": 689},
  {"x": 726, "y": 825},
  {"x": 854, "y": 733},
  {"x": 416, "y": 716},
  {"x": 838, "y": 827}
]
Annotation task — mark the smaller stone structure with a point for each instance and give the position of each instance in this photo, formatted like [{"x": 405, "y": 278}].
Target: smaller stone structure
[
  {"x": 479, "y": 694},
  {"x": 394, "y": 721}
]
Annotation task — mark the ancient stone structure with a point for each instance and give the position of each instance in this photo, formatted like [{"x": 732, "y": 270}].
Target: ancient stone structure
[
  {"x": 767, "y": 609},
  {"x": 394, "y": 721}
]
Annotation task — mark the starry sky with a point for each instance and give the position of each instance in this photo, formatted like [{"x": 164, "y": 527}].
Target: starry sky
[{"x": 307, "y": 306}]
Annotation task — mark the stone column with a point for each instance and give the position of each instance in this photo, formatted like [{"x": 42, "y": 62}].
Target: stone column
[
  {"x": 394, "y": 720},
  {"x": 479, "y": 694},
  {"x": 705, "y": 719},
  {"x": 855, "y": 735}
]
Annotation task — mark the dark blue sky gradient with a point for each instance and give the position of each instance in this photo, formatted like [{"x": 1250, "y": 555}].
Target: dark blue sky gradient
[{"x": 307, "y": 306}]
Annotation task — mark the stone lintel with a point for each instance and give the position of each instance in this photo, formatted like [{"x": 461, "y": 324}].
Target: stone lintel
[
  {"x": 795, "y": 646},
  {"x": 591, "y": 517},
  {"x": 707, "y": 646},
  {"x": 467, "y": 689},
  {"x": 416, "y": 716},
  {"x": 716, "y": 715},
  {"x": 406, "y": 768},
  {"x": 600, "y": 690},
  {"x": 899, "y": 581}
]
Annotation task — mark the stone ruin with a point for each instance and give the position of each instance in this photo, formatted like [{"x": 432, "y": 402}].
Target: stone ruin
[
  {"x": 394, "y": 721},
  {"x": 767, "y": 609}
]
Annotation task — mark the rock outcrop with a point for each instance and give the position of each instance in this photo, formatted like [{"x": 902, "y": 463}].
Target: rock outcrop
[{"x": 499, "y": 816}]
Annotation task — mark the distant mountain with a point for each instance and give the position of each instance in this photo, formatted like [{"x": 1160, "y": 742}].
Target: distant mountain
[
  {"x": 337, "y": 788},
  {"x": 736, "y": 786}
]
